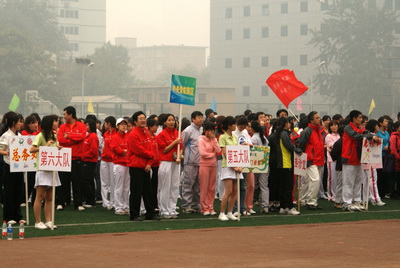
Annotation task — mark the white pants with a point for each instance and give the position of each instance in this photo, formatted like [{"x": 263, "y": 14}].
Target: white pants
[
  {"x": 331, "y": 181},
  {"x": 373, "y": 186},
  {"x": 107, "y": 183},
  {"x": 310, "y": 187},
  {"x": 262, "y": 179},
  {"x": 122, "y": 187},
  {"x": 339, "y": 187},
  {"x": 168, "y": 187},
  {"x": 220, "y": 184},
  {"x": 352, "y": 178}
]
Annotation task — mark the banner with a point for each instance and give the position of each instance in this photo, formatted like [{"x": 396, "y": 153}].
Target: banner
[
  {"x": 238, "y": 155},
  {"x": 371, "y": 152},
  {"x": 183, "y": 90},
  {"x": 259, "y": 160},
  {"x": 300, "y": 164},
  {"x": 21, "y": 159},
  {"x": 53, "y": 159}
]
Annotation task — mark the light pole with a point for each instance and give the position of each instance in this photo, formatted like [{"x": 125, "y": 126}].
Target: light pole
[
  {"x": 311, "y": 91},
  {"x": 90, "y": 64}
]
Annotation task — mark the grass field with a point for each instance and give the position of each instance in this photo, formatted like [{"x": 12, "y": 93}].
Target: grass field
[{"x": 99, "y": 220}]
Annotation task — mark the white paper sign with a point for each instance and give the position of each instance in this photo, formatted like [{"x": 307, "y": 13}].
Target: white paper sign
[
  {"x": 53, "y": 159},
  {"x": 238, "y": 156},
  {"x": 21, "y": 159},
  {"x": 300, "y": 164},
  {"x": 371, "y": 152}
]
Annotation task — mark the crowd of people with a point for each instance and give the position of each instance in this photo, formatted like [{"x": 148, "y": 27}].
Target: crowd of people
[{"x": 140, "y": 165}]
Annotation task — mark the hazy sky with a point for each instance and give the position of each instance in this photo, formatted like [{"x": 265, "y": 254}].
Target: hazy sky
[{"x": 158, "y": 22}]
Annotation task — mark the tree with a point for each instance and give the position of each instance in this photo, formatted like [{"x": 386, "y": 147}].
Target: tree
[{"x": 353, "y": 41}]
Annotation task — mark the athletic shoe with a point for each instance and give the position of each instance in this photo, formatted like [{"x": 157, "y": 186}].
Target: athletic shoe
[
  {"x": 223, "y": 217},
  {"x": 231, "y": 217},
  {"x": 264, "y": 210},
  {"x": 246, "y": 213},
  {"x": 176, "y": 213},
  {"x": 206, "y": 213},
  {"x": 81, "y": 208},
  {"x": 324, "y": 197},
  {"x": 48, "y": 225},
  {"x": 236, "y": 214},
  {"x": 60, "y": 207},
  {"x": 337, "y": 205},
  {"x": 283, "y": 211},
  {"x": 87, "y": 206},
  {"x": 188, "y": 211},
  {"x": 23, "y": 205},
  {"x": 120, "y": 212},
  {"x": 380, "y": 203},
  {"x": 110, "y": 207},
  {"x": 40, "y": 226},
  {"x": 360, "y": 207},
  {"x": 252, "y": 211},
  {"x": 213, "y": 213},
  {"x": 293, "y": 211},
  {"x": 350, "y": 208}
]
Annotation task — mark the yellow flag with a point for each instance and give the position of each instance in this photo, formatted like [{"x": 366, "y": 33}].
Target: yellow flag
[
  {"x": 14, "y": 103},
  {"x": 371, "y": 107},
  {"x": 90, "y": 106}
]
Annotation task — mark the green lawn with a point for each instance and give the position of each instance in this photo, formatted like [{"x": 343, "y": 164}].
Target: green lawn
[{"x": 99, "y": 220}]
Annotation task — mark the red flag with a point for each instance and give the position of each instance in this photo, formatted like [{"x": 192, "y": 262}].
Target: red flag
[
  {"x": 286, "y": 86},
  {"x": 299, "y": 105}
]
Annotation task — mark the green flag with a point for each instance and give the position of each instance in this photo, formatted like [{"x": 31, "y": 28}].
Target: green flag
[{"x": 14, "y": 103}]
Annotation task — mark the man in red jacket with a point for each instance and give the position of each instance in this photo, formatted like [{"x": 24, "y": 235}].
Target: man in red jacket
[
  {"x": 71, "y": 134},
  {"x": 312, "y": 143},
  {"x": 140, "y": 157}
]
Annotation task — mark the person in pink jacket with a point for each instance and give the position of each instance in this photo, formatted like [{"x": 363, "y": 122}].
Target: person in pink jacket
[{"x": 208, "y": 149}]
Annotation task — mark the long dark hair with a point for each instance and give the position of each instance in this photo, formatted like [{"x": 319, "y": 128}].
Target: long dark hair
[
  {"x": 257, "y": 128},
  {"x": 47, "y": 127},
  {"x": 92, "y": 125},
  {"x": 29, "y": 120},
  {"x": 10, "y": 119},
  {"x": 280, "y": 125}
]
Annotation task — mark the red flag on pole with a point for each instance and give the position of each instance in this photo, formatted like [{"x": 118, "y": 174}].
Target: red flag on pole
[{"x": 286, "y": 86}]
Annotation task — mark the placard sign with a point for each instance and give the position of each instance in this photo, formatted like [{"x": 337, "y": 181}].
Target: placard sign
[
  {"x": 54, "y": 159},
  {"x": 259, "y": 160},
  {"x": 371, "y": 152},
  {"x": 300, "y": 164},
  {"x": 238, "y": 156},
  {"x": 183, "y": 90},
  {"x": 21, "y": 159}
]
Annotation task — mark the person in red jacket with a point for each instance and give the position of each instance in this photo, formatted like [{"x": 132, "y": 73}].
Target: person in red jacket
[
  {"x": 71, "y": 135},
  {"x": 353, "y": 134},
  {"x": 140, "y": 157},
  {"x": 107, "y": 165},
  {"x": 119, "y": 148},
  {"x": 395, "y": 150},
  {"x": 312, "y": 143},
  {"x": 90, "y": 154}
]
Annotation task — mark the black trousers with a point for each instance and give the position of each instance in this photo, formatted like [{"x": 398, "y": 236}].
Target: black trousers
[
  {"x": 154, "y": 187},
  {"x": 88, "y": 185},
  {"x": 273, "y": 183},
  {"x": 285, "y": 187},
  {"x": 13, "y": 191},
  {"x": 140, "y": 187},
  {"x": 64, "y": 192}
]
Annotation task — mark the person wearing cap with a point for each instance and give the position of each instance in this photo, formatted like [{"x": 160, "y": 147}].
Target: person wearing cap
[
  {"x": 140, "y": 157},
  {"x": 119, "y": 148}
]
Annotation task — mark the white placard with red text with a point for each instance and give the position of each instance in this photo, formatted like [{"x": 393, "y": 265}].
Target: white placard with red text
[
  {"x": 371, "y": 152},
  {"x": 300, "y": 164},
  {"x": 53, "y": 159},
  {"x": 21, "y": 159},
  {"x": 238, "y": 156}
]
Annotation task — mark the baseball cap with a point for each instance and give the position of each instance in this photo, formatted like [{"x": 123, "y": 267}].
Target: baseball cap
[{"x": 119, "y": 120}]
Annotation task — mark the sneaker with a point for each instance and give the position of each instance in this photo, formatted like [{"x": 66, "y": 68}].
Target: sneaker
[
  {"x": 110, "y": 207},
  {"x": 337, "y": 205},
  {"x": 283, "y": 211},
  {"x": 206, "y": 213},
  {"x": 360, "y": 207},
  {"x": 188, "y": 211},
  {"x": 223, "y": 217},
  {"x": 87, "y": 206},
  {"x": 23, "y": 205},
  {"x": 81, "y": 208},
  {"x": 231, "y": 217},
  {"x": 324, "y": 197},
  {"x": 293, "y": 211},
  {"x": 246, "y": 213},
  {"x": 48, "y": 225},
  {"x": 350, "y": 208},
  {"x": 213, "y": 213},
  {"x": 380, "y": 203},
  {"x": 40, "y": 226},
  {"x": 252, "y": 211},
  {"x": 264, "y": 210},
  {"x": 236, "y": 214},
  {"x": 60, "y": 207},
  {"x": 120, "y": 212},
  {"x": 12, "y": 222},
  {"x": 176, "y": 213}
]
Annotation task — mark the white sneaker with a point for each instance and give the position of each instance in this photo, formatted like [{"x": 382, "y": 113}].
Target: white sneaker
[
  {"x": 120, "y": 212},
  {"x": 236, "y": 214},
  {"x": 87, "y": 206},
  {"x": 252, "y": 211},
  {"x": 293, "y": 211},
  {"x": 380, "y": 203},
  {"x": 81, "y": 208},
  {"x": 213, "y": 213},
  {"x": 264, "y": 210},
  {"x": 231, "y": 217},
  {"x": 59, "y": 207},
  {"x": 283, "y": 211},
  {"x": 40, "y": 226},
  {"x": 48, "y": 225},
  {"x": 223, "y": 217},
  {"x": 23, "y": 205},
  {"x": 207, "y": 213},
  {"x": 359, "y": 207},
  {"x": 246, "y": 213}
]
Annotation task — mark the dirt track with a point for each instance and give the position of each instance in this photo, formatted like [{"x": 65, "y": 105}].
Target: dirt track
[{"x": 348, "y": 244}]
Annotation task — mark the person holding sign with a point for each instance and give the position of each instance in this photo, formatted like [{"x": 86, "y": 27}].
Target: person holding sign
[
  {"x": 228, "y": 174},
  {"x": 44, "y": 179}
]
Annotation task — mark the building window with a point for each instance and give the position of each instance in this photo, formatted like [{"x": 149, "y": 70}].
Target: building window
[
  {"x": 228, "y": 34},
  {"x": 303, "y": 60},
  {"x": 284, "y": 60},
  {"x": 71, "y": 30},
  {"x": 246, "y": 62},
  {"x": 62, "y": 13},
  {"x": 284, "y": 8},
  {"x": 264, "y": 10},
  {"x": 202, "y": 97},
  {"x": 228, "y": 63},
  {"x": 163, "y": 96},
  {"x": 228, "y": 13},
  {"x": 246, "y": 33},
  {"x": 303, "y": 29},
  {"x": 264, "y": 61},
  {"x": 246, "y": 91},
  {"x": 264, "y": 32},
  {"x": 264, "y": 90},
  {"x": 284, "y": 30},
  {"x": 246, "y": 11},
  {"x": 303, "y": 6}
]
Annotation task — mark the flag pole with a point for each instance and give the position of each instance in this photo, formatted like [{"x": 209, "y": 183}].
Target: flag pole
[
  {"x": 294, "y": 115},
  {"x": 26, "y": 197}
]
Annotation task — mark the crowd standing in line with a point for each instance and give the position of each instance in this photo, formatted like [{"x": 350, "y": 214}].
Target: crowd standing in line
[{"x": 131, "y": 165}]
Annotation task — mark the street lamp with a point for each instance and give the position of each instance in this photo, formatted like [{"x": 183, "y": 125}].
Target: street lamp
[
  {"x": 86, "y": 64},
  {"x": 311, "y": 91}
]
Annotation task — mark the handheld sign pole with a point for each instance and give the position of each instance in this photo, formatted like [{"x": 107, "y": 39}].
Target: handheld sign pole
[
  {"x": 238, "y": 193},
  {"x": 298, "y": 193},
  {"x": 54, "y": 200},
  {"x": 300, "y": 170},
  {"x": 26, "y": 197},
  {"x": 178, "y": 155}
]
